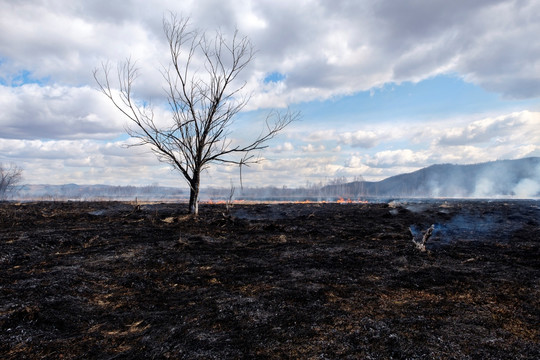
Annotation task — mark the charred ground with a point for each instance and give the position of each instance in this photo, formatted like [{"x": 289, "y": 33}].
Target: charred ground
[{"x": 113, "y": 280}]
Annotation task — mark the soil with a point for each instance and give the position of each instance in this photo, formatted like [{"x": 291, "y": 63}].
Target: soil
[{"x": 108, "y": 280}]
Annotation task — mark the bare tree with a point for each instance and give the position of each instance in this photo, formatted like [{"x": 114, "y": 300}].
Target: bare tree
[
  {"x": 10, "y": 178},
  {"x": 203, "y": 100}
]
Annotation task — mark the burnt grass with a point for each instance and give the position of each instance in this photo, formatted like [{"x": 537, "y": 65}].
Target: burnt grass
[{"x": 109, "y": 280}]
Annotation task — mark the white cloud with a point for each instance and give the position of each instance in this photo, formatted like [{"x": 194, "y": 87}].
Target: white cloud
[
  {"x": 285, "y": 147},
  {"x": 310, "y": 148},
  {"x": 323, "y": 48},
  {"x": 360, "y": 138},
  {"x": 321, "y": 135},
  {"x": 500, "y": 129},
  {"x": 404, "y": 157},
  {"x": 82, "y": 161},
  {"x": 344, "y": 48},
  {"x": 57, "y": 112},
  {"x": 356, "y": 161}
]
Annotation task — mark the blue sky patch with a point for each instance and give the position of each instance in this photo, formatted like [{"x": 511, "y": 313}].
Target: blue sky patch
[
  {"x": 22, "y": 78},
  {"x": 434, "y": 98},
  {"x": 274, "y": 77}
]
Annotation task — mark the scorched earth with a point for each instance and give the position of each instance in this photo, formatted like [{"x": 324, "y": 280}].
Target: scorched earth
[{"x": 110, "y": 280}]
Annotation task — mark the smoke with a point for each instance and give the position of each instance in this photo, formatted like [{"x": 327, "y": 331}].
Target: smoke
[
  {"x": 98, "y": 192},
  {"x": 497, "y": 179},
  {"x": 485, "y": 188},
  {"x": 529, "y": 187},
  {"x": 467, "y": 226},
  {"x": 518, "y": 179}
]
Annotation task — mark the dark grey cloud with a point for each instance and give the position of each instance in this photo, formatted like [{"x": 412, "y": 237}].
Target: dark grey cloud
[
  {"x": 406, "y": 23},
  {"x": 328, "y": 48}
]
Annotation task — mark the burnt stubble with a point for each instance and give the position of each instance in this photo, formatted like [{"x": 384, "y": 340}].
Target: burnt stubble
[{"x": 111, "y": 280}]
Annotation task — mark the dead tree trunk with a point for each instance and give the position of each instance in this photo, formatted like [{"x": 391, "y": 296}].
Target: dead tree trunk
[{"x": 194, "y": 194}]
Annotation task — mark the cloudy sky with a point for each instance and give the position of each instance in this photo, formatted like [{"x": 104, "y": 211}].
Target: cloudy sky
[{"x": 384, "y": 86}]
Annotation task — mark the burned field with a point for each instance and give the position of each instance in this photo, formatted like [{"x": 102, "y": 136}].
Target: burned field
[{"x": 325, "y": 281}]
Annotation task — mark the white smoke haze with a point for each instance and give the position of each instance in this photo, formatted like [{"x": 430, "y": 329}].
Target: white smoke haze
[
  {"x": 442, "y": 181},
  {"x": 484, "y": 188},
  {"x": 505, "y": 179},
  {"x": 527, "y": 188}
]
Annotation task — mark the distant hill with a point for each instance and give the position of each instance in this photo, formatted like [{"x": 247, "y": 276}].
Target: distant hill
[{"x": 515, "y": 178}]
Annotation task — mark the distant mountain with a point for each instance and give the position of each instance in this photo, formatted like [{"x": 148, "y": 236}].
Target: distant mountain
[{"x": 502, "y": 178}]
